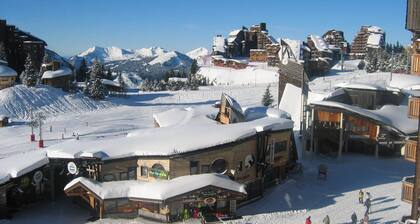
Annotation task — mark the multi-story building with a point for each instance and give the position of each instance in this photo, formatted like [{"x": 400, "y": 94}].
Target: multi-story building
[{"x": 369, "y": 37}]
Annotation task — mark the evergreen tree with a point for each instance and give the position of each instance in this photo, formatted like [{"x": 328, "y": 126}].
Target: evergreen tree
[
  {"x": 372, "y": 61},
  {"x": 82, "y": 72},
  {"x": 3, "y": 54},
  {"x": 29, "y": 75},
  {"x": 121, "y": 81},
  {"x": 97, "y": 90},
  {"x": 108, "y": 74},
  {"x": 97, "y": 70},
  {"x": 194, "y": 67},
  {"x": 267, "y": 99},
  {"x": 46, "y": 59}
]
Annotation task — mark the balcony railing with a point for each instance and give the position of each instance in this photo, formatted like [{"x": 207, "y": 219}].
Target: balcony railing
[
  {"x": 410, "y": 150},
  {"x": 407, "y": 189}
]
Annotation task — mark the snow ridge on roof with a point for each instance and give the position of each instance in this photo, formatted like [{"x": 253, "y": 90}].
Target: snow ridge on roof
[
  {"x": 320, "y": 43},
  {"x": 63, "y": 71},
  {"x": 158, "y": 190}
]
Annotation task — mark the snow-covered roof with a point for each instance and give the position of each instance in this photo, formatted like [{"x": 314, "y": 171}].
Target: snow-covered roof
[
  {"x": 110, "y": 82},
  {"x": 390, "y": 115},
  {"x": 63, "y": 71},
  {"x": 273, "y": 40},
  {"x": 361, "y": 86},
  {"x": 403, "y": 81},
  {"x": 195, "y": 131},
  {"x": 219, "y": 44},
  {"x": 21, "y": 164},
  {"x": 6, "y": 71},
  {"x": 234, "y": 32},
  {"x": 375, "y": 29},
  {"x": 157, "y": 190},
  {"x": 374, "y": 40},
  {"x": 233, "y": 103},
  {"x": 320, "y": 43}
]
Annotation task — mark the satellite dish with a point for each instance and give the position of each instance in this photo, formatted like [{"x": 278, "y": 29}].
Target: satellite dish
[{"x": 285, "y": 61}]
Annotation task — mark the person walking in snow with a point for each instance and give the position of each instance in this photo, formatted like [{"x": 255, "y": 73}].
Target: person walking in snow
[
  {"x": 369, "y": 195},
  {"x": 308, "y": 220},
  {"x": 326, "y": 220},
  {"x": 354, "y": 218},
  {"x": 367, "y": 205},
  {"x": 361, "y": 194}
]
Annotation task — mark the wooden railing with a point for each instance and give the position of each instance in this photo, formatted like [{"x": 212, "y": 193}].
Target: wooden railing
[
  {"x": 415, "y": 65},
  {"x": 407, "y": 189},
  {"x": 410, "y": 150},
  {"x": 413, "y": 107}
]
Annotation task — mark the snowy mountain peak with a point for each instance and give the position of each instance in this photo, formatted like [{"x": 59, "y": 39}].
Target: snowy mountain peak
[{"x": 197, "y": 53}]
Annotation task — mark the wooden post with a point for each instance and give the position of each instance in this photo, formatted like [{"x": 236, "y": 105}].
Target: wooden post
[
  {"x": 312, "y": 130},
  {"x": 101, "y": 209},
  {"x": 416, "y": 188},
  {"x": 377, "y": 142},
  {"x": 341, "y": 141}
]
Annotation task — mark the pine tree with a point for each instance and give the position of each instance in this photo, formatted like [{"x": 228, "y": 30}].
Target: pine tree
[
  {"x": 267, "y": 99},
  {"x": 3, "y": 54},
  {"x": 82, "y": 72},
  {"x": 108, "y": 74},
  {"x": 97, "y": 90},
  {"x": 29, "y": 76},
  {"x": 194, "y": 67},
  {"x": 121, "y": 81},
  {"x": 97, "y": 70}
]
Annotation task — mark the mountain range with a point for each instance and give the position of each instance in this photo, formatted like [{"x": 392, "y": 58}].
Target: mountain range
[{"x": 147, "y": 63}]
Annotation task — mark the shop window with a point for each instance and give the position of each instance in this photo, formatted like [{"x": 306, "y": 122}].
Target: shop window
[
  {"x": 249, "y": 161},
  {"x": 123, "y": 176},
  {"x": 205, "y": 168},
  {"x": 108, "y": 177},
  {"x": 280, "y": 147},
  {"x": 219, "y": 166},
  {"x": 144, "y": 171},
  {"x": 132, "y": 173},
  {"x": 193, "y": 167}
]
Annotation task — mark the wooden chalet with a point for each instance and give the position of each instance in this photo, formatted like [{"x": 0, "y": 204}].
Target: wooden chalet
[
  {"x": 221, "y": 61},
  {"x": 7, "y": 76},
  {"x": 56, "y": 75},
  {"x": 230, "y": 111},
  {"x": 19, "y": 44},
  {"x": 321, "y": 55},
  {"x": 337, "y": 44},
  {"x": 4, "y": 121}
]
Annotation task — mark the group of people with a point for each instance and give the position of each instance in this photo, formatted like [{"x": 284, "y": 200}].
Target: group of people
[{"x": 367, "y": 203}]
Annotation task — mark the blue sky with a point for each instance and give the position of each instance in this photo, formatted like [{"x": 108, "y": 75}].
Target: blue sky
[{"x": 72, "y": 26}]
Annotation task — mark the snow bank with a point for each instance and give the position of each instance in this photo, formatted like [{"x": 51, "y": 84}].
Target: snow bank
[
  {"x": 20, "y": 164},
  {"x": 110, "y": 82},
  {"x": 157, "y": 190},
  {"x": 250, "y": 75},
  {"x": 6, "y": 71}
]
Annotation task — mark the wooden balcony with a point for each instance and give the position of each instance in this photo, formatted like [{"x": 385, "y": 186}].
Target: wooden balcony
[
  {"x": 413, "y": 107},
  {"x": 410, "y": 150},
  {"x": 407, "y": 189},
  {"x": 415, "y": 64}
]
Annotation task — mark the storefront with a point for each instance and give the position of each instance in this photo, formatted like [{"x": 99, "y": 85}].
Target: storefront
[{"x": 167, "y": 200}]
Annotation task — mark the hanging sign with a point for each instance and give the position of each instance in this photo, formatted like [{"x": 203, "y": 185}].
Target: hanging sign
[
  {"x": 72, "y": 168},
  {"x": 38, "y": 176},
  {"x": 209, "y": 201}
]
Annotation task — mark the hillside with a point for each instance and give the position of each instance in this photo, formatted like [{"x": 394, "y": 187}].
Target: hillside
[{"x": 17, "y": 101}]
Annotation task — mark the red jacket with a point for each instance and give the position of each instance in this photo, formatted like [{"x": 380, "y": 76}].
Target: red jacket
[{"x": 308, "y": 221}]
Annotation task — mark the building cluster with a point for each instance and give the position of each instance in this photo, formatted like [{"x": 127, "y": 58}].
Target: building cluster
[
  {"x": 369, "y": 37},
  {"x": 206, "y": 159}
]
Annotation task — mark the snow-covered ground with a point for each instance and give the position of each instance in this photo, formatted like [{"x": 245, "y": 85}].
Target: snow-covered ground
[{"x": 290, "y": 202}]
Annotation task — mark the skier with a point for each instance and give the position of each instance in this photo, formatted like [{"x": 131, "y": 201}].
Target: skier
[
  {"x": 367, "y": 205},
  {"x": 326, "y": 220},
  {"x": 361, "y": 194},
  {"x": 308, "y": 220},
  {"x": 354, "y": 218}
]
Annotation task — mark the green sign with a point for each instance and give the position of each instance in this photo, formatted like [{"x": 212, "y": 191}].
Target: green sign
[{"x": 158, "y": 173}]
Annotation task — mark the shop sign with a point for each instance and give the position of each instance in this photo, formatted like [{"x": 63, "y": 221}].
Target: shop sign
[
  {"x": 72, "y": 168},
  {"x": 158, "y": 173},
  {"x": 209, "y": 201},
  {"x": 209, "y": 193},
  {"x": 38, "y": 176}
]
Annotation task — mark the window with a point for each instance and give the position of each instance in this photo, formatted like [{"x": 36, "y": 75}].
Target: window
[
  {"x": 132, "y": 173},
  {"x": 205, "y": 168},
  {"x": 219, "y": 166},
  {"x": 123, "y": 176},
  {"x": 193, "y": 167},
  {"x": 108, "y": 177},
  {"x": 280, "y": 147},
  {"x": 144, "y": 171}
]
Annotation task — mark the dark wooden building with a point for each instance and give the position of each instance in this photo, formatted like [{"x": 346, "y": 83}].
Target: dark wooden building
[
  {"x": 369, "y": 37},
  {"x": 19, "y": 44}
]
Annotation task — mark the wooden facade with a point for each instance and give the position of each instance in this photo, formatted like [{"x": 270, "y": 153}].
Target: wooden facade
[
  {"x": 7, "y": 81},
  {"x": 413, "y": 107},
  {"x": 410, "y": 150},
  {"x": 407, "y": 189},
  {"x": 413, "y": 16},
  {"x": 258, "y": 55},
  {"x": 62, "y": 82}
]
